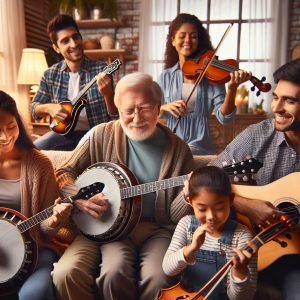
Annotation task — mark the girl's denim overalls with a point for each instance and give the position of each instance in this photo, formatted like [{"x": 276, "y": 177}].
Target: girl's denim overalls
[{"x": 208, "y": 262}]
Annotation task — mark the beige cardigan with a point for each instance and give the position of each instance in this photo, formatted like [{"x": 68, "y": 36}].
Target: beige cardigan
[
  {"x": 108, "y": 143},
  {"x": 38, "y": 190}
]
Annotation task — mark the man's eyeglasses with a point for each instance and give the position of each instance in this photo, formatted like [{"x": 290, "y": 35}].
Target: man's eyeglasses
[{"x": 142, "y": 111}]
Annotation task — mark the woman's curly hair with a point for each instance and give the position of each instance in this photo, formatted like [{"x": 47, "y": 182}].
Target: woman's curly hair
[{"x": 171, "y": 55}]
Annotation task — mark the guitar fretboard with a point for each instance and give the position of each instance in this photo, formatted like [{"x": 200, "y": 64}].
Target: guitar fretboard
[
  {"x": 146, "y": 188},
  {"x": 107, "y": 70}
]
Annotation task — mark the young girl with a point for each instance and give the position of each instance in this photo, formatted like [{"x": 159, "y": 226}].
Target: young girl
[
  {"x": 202, "y": 243},
  {"x": 27, "y": 185}
]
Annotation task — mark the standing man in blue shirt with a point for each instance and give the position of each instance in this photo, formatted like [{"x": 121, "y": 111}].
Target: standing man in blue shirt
[{"x": 64, "y": 80}]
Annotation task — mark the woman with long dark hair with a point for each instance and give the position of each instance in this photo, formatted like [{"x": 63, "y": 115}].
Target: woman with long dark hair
[
  {"x": 188, "y": 39},
  {"x": 27, "y": 186}
]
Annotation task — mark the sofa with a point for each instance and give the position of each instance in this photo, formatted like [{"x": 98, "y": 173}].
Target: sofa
[{"x": 57, "y": 157}]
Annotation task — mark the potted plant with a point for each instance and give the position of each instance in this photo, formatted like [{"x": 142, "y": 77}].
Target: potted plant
[
  {"x": 77, "y": 8},
  {"x": 108, "y": 8}
]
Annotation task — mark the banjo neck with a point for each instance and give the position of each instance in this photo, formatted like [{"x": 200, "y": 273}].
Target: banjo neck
[
  {"x": 84, "y": 193},
  {"x": 250, "y": 166},
  {"x": 39, "y": 217},
  {"x": 150, "y": 187}
]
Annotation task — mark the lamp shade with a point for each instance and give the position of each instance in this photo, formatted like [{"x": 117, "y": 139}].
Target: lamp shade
[{"x": 32, "y": 66}]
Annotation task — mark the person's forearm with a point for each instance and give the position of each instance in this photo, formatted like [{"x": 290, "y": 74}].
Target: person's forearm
[
  {"x": 241, "y": 205},
  {"x": 42, "y": 110},
  {"x": 228, "y": 105},
  {"x": 109, "y": 101}
]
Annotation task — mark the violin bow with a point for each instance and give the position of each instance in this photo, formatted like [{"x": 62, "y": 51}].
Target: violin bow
[
  {"x": 201, "y": 76},
  {"x": 266, "y": 235}
]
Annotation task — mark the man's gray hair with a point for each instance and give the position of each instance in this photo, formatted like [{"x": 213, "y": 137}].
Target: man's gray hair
[{"x": 138, "y": 81}]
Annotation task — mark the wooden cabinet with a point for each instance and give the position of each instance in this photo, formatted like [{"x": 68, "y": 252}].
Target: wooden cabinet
[
  {"x": 222, "y": 135},
  {"x": 40, "y": 129}
]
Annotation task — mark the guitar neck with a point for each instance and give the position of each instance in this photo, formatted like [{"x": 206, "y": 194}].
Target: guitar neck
[
  {"x": 39, "y": 217},
  {"x": 84, "y": 90},
  {"x": 146, "y": 188},
  {"x": 107, "y": 70}
]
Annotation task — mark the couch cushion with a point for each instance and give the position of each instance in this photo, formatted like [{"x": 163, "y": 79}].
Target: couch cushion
[{"x": 56, "y": 157}]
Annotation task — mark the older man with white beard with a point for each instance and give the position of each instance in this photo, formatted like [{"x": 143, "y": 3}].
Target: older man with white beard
[{"x": 131, "y": 268}]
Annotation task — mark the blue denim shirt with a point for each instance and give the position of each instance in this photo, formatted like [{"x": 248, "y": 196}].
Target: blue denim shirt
[
  {"x": 54, "y": 89},
  {"x": 194, "y": 127}
]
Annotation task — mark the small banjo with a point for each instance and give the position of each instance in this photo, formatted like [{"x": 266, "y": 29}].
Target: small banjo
[
  {"x": 18, "y": 251},
  {"x": 123, "y": 191}
]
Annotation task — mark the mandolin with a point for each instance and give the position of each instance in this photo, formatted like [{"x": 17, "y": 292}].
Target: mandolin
[{"x": 68, "y": 125}]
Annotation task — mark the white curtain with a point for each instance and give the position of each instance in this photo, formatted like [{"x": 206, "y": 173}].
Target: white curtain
[
  {"x": 12, "y": 41},
  {"x": 280, "y": 13},
  {"x": 269, "y": 38}
]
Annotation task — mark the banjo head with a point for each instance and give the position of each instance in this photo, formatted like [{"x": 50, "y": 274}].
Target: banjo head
[
  {"x": 113, "y": 224},
  {"x": 12, "y": 251},
  {"x": 111, "y": 189},
  {"x": 17, "y": 252}
]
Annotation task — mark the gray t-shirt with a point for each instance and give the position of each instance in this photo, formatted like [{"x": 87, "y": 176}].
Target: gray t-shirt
[
  {"x": 10, "y": 194},
  {"x": 144, "y": 160}
]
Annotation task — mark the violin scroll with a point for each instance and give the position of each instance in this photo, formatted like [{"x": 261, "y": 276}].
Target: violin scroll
[{"x": 262, "y": 87}]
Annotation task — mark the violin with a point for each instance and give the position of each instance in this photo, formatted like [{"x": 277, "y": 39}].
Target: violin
[
  {"x": 219, "y": 71},
  {"x": 178, "y": 292}
]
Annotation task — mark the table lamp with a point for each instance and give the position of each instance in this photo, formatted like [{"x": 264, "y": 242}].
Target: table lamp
[{"x": 32, "y": 67}]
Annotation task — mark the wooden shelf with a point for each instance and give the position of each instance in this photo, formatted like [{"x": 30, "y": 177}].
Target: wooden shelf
[
  {"x": 100, "y": 23},
  {"x": 111, "y": 53}
]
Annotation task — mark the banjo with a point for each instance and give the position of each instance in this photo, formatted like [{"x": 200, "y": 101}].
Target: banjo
[
  {"x": 124, "y": 194},
  {"x": 18, "y": 251}
]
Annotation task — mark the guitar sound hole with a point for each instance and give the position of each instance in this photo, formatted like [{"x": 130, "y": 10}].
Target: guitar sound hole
[{"x": 291, "y": 210}]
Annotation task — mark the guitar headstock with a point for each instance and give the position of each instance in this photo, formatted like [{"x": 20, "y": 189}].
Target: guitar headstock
[
  {"x": 89, "y": 191},
  {"x": 242, "y": 171},
  {"x": 114, "y": 66}
]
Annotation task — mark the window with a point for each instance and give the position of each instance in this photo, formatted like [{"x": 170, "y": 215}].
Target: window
[{"x": 248, "y": 41}]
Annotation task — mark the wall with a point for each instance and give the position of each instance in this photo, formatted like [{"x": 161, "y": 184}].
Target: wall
[
  {"x": 129, "y": 11},
  {"x": 294, "y": 33},
  {"x": 37, "y": 15},
  {"x": 127, "y": 36}
]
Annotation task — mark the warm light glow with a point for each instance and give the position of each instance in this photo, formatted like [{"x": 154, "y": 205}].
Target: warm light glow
[{"x": 32, "y": 66}]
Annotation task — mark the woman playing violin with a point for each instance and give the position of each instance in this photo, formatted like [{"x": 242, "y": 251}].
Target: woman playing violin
[
  {"x": 27, "y": 185},
  {"x": 186, "y": 39}
]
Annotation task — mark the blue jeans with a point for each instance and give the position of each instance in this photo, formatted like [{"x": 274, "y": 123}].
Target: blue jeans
[
  {"x": 55, "y": 141},
  {"x": 283, "y": 275},
  {"x": 38, "y": 285}
]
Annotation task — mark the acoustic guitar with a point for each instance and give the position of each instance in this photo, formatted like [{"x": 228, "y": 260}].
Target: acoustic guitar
[
  {"x": 69, "y": 123},
  {"x": 283, "y": 193},
  {"x": 18, "y": 251}
]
